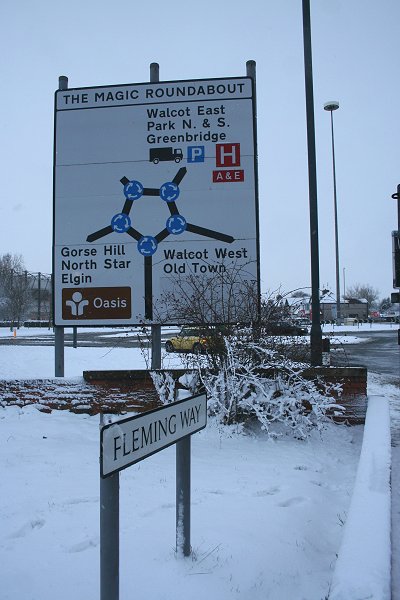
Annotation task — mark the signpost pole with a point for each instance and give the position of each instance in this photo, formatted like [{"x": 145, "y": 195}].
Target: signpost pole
[
  {"x": 59, "y": 331},
  {"x": 39, "y": 296},
  {"x": 109, "y": 536},
  {"x": 75, "y": 337},
  {"x": 155, "y": 329},
  {"x": 183, "y": 496},
  {"x": 120, "y": 448},
  {"x": 58, "y": 351},
  {"x": 252, "y": 72},
  {"x": 155, "y": 347}
]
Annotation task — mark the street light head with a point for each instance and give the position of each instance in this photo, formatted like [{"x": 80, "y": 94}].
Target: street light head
[{"x": 332, "y": 105}]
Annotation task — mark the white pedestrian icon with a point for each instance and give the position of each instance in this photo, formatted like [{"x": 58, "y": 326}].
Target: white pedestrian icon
[{"x": 77, "y": 304}]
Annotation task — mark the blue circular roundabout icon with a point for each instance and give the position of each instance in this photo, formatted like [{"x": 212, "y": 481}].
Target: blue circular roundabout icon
[
  {"x": 147, "y": 245},
  {"x": 133, "y": 190},
  {"x": 176, "y": 224},
  {"x": 120, "y": 223},
  {"x": 169, "y": 191}
]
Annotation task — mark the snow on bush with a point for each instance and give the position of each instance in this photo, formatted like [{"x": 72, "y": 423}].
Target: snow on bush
[
  {"x": 249, "y": 376},
  {"x": 164, "y": 384},
  {"x": 256, "y": 380}
]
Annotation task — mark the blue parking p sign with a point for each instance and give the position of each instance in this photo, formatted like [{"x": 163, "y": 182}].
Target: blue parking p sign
[{"x": 195, "y": 154}]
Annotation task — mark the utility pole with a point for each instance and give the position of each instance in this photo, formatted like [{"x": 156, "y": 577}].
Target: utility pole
[
  {"x": 316, "y": 331},
  {"x": 331, "y": 106},
  {"x": 396, "y": 257}
]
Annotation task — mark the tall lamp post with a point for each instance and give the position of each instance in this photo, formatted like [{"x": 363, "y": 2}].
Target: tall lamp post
[
  {"x": 331, "y": 106},
  {"x": 396, "y": 257},
  {"x": 316, "y": 331}
]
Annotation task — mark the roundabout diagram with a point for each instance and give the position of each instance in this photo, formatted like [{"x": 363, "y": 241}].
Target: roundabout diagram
[
  {"x": 147, "y": 245},
  {"x": 176, "y": 223}
]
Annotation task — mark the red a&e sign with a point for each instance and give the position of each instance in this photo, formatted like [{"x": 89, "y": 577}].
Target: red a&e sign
[
  {"x": 228, "y": 176},
  {"x": 227, "y": 156}
]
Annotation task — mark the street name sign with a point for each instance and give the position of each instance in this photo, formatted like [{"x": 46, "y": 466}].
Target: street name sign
[
  {"x": 153, "y": 182},
  {"x": 131, "y": 440}
]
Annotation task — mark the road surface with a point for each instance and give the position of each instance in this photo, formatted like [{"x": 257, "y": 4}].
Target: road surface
[{"x": 379, "y": 352}]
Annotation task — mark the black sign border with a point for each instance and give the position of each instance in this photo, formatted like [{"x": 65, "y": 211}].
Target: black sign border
[{"x": 256, "y": 189}]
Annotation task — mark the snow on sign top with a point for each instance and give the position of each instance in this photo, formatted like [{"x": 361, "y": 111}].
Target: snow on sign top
[
  {"x": 131, "y": 440},
  {"x": 144, "y": 178}
]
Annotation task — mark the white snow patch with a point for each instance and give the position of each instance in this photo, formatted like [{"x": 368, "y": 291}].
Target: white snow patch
[
  {"x": 267, "y": 516},
  {"x": 363, "y": 566}
]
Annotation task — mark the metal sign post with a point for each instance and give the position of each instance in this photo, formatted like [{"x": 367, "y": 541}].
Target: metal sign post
[
  {"x": 109, "y": 535},
  {"x": 58, "y": 351},
  {"x": 109, "y": 538},
  {"x": 155, "y": 329},
  {"x": 58, "y": 330},
  {"x": 183, "y": 547},
  {"x": 129, "y": 441}
]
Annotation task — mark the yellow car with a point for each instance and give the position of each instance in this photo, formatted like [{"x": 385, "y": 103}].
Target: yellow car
[
  {"x": 197, "y": 340},
  {"x": 188, "y": 340}
]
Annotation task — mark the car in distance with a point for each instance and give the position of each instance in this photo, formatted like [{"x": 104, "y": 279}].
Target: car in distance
[
  {"x": 302, "y": 321},
  {"x": 285, "y": 328},
  {"x": 194, "y": 339}
]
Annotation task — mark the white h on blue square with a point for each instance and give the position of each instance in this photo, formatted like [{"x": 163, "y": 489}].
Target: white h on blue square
[{"x": 195, "y": 154}]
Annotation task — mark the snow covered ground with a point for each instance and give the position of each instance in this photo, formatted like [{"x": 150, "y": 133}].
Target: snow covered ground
[
  {"x": 363, "y": 566},
  {"x": 341, "y": 330},
  {"x": 267, "y": 516},
  {"x": 379, "y": 385}
]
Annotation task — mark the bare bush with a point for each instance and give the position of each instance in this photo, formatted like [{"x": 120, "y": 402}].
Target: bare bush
[
  {"x": 247, "y": 372},
  {"x": 255, "y": 379}
]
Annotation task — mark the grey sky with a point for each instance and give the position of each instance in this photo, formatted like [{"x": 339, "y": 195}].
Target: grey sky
[{"x": 355, "y": 61}]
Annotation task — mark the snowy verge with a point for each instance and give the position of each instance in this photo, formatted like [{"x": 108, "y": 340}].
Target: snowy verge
[{"x": 363, "y": 565}]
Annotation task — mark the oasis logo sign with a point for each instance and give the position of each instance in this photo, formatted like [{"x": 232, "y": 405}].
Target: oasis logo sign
[{"x": 96, "y": 303}]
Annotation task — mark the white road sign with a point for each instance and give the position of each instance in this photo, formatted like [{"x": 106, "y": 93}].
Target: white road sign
[
  {"x": 153, "y": 183},
  {"x": 131, "y": 440}
]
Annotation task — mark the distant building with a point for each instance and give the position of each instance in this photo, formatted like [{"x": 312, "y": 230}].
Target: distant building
[
  {"x": 299, "y": 307},
  {"x": 350, "y": 309}
]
